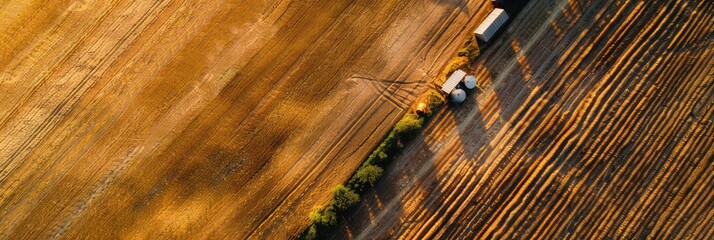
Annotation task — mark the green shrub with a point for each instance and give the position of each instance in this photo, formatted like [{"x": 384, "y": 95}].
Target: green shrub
[
  {"x": 344, "y": 198},
  {"x": 310, "y": 234},
  {"x": 323, "y": 216},
  {"x": 435, "y": 100},
  {"x": 459, "y": 62},
  {"x": 378, "y": 157},
  {"x": 372, "y": 159},
  {"x": 409, "y": 126},
  {"x": 382, "y": 156},
  {"x": 470, "y": 50},
  {"x": 316, "y": 214},
  {"x": 368, "y": 174},
  {"x": 466, "y": 55},
  {"x": 473, "y": 53},
  {"x": 389, "y": 145}
]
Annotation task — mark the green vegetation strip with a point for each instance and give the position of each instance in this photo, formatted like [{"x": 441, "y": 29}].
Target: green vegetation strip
[{"x": 346, "y": 196}]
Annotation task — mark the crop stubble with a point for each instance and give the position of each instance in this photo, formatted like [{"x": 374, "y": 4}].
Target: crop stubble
[
  {"x": 595, "y": 122},
  {"x": 145, "y": 119}
]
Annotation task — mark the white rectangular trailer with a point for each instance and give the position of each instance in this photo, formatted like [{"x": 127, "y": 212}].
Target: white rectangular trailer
[{"x": 491, "y": 24}]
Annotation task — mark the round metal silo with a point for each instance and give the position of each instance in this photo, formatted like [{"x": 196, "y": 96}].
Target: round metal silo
[
  {"x": 470, "y": 82},
  {"x": 458, "y": 95}
]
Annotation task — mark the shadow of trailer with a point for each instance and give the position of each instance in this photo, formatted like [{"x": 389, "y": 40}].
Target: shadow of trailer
[{"x": 512, "y": 7}]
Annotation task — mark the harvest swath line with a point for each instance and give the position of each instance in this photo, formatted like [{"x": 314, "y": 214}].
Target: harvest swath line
[
  {"x": 72, "y": 95},
  {"x": 75, "y": 93}
]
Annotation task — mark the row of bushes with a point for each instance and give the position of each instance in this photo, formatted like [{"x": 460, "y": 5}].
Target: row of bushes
[{"x": 346, "y": 196}]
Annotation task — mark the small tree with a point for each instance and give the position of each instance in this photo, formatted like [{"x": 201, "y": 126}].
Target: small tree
[
  {"x": 310, "y": 233},
  {"x": 378, "y": 157},
  {"x": 343, "y": 198},
  {"x": 408, "y": 127},
  {"x": 456, "y": 63},
  {"x": 368, "y": 174},
  {"x": 324, "y": 216},
  {"x": 470, "y": 50},
  {"x": 388, "y": 146},
  {"x": 435, "y": 100}
]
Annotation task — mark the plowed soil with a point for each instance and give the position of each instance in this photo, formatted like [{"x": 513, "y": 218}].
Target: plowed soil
[
  {"x": 595, "y": 122},
  {"x": 201, "y": 119}
]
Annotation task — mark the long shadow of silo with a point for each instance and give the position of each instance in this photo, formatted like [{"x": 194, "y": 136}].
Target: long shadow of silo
[
  {"x": 507, "y": 69},
  {"x": 527, "y": 66}
]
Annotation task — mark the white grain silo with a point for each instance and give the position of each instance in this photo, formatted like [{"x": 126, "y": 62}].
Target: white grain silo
[
  {"x": 458, "y": 95},
  {"x": 470, "y": 82}
]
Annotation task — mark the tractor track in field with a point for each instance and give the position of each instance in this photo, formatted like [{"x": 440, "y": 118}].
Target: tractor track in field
[{"x": 170, "y": 119}]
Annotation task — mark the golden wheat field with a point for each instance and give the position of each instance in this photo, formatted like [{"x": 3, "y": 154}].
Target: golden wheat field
[{"x": 201, "y": 119}]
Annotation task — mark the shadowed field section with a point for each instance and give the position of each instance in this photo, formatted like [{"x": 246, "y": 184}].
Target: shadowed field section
[
  {"x": 595, "y": 122},
  {"x": 201, "y": 119}
]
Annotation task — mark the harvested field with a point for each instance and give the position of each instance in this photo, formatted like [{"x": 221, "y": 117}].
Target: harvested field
[
  {"x": 595, "y": 123},
  {"x": 201, "y": 119}
]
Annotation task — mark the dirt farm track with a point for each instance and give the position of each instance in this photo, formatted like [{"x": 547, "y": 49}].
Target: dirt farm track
[
  {"x": 595, "y": 122},
  {"x": 167, "y": 119},
  {"x": 203, "y": 119}
]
